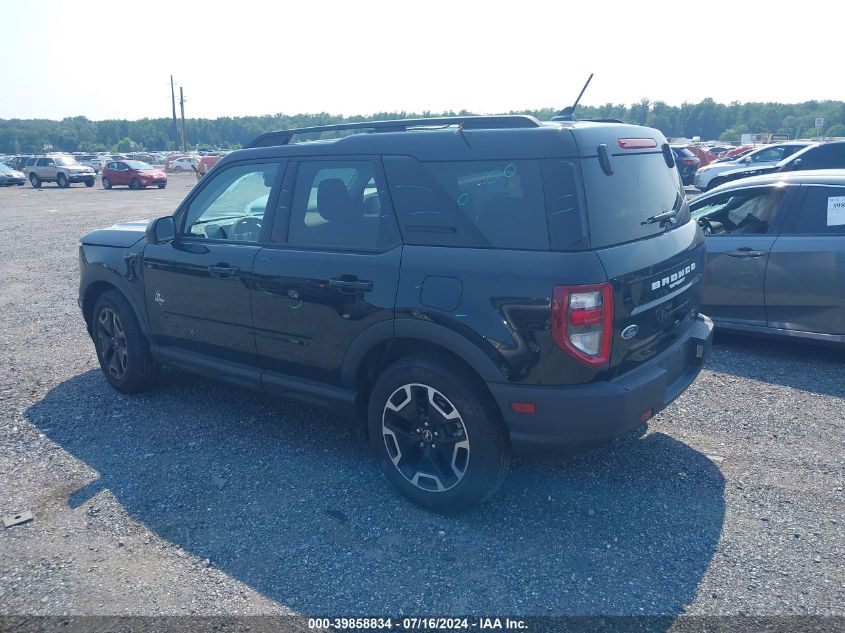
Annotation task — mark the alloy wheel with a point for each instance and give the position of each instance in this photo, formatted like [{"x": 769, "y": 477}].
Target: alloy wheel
[
  {"x": 425, "y": 437},
  {"x": 112, "y": 341}
]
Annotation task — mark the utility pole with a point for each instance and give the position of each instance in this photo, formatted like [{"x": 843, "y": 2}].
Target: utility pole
[
  {"x": 175, "y": 133},
  {"x": 182, "y": 106}
]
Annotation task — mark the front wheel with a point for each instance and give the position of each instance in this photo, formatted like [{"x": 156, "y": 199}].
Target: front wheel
[
  {"x": 437, "y": 434},
  {"x": 162, "y": 186},
  {"x": 121, "y": 347},
  {"x": 89, "y": 183},
  {"x": 136, "y": 184},
  {"x": 34, "y": 180},
  {"x": 62, "y": 181},
  {"x": 715, "y": 183}
]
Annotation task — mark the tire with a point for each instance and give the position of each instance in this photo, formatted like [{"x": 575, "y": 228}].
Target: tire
[
  {"x": 122, "y": 350},
  {"x": 106, "y": 182},
  {"x": 162, "y": 186},
  {"x": 715, "y": 183},
  {"x": 446, "y": 401},
  {"x": 136, "y": 184},
  {"x": 34, "y": 180},
  {"x": 62, "y": 181},
  {"x": 178, "y": 168},
  {"x": 89, "y": 183}
]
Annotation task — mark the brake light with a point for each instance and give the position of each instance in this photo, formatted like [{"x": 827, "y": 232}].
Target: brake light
[
  {"x": 582, "y": 322},
  {"x": 636, "y": 143}
]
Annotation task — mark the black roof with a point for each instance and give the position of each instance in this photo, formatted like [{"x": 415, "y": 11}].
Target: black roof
[{"x": 449, "y": 138}]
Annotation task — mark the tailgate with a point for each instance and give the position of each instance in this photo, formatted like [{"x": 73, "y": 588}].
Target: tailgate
[{"x": 656, "y": 289}]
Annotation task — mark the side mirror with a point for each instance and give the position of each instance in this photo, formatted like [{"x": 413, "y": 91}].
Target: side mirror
[
  {"x": 161, "y": 230},
  {"x": 796, "y": 164}
]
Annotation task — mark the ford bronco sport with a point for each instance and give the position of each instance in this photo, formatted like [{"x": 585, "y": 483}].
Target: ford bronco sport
[{"x": 465, "y": 284}]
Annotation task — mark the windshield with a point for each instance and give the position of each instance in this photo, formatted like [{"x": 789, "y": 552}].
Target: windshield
[
  {"x": 65, "y": 161},
  {"x": 137, "y": 165}
]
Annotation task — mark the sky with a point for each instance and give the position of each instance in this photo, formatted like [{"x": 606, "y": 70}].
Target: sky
[{"x": 243, "y": 57}]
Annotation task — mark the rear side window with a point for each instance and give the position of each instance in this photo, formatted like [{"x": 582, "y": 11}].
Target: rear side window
[
  {"x": 640, "y": 186},
  {"x": 823, "y": 212},
  {"x": 484, "y": 204},
  {"x": 340, "y": 204},
  {"x": 831, "y": 156},
  {"x": 746, "y": 211}
]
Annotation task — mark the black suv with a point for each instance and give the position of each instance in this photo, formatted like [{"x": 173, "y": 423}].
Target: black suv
[{"x": 463, "y": 284}]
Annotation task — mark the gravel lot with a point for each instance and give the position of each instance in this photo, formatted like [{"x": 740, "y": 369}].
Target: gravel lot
[{"x": 199, "y": 498}]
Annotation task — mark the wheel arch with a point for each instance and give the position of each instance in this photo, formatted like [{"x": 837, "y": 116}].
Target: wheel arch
[{"x": 95, "y": 284}]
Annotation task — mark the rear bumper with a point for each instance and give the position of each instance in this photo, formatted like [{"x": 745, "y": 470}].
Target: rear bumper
[{"x": 603, "y": 410}]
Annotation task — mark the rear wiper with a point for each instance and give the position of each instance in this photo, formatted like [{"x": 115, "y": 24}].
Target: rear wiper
[{"x": 661, "y": 217}]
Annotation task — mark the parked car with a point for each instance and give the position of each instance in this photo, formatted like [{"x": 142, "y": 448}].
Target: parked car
[
  {"x": 9, "y": 177},
  {"x": 464, "y": 284},
  {"x": 815, "y": 156},
  {"x": 713, "y": 175},
  {"x": 134, "y": 174},
  {"x": 205, "y": 163},
  {"x": 63, "y": 170},
  {"x": 17, "y": 163},
  {"x": 687, "y": 163},
  {"x": 94, "y": 162},
  {"x": 775, "y": 244},
  {"x": 186, "y": 163}
]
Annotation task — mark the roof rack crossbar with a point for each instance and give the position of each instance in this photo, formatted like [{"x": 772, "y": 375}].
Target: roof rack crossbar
[{"x": 284, "y": 137}]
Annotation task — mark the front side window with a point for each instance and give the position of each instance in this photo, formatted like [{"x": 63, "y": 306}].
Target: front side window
[
  {"x": 743, "y": 212},
  {"x": 822, "y": 213},
  {"x": 340, "y": 204},
  {"x": 829, "y": 156},
  {"x": 232, "y": 205},
  {"x": 769, "y": 155}
]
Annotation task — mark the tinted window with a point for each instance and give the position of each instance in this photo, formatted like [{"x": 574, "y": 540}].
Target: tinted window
[
  {"x": 683, "y": 152},
  {"x": 43, "y": 162},
  {"x": 497, "y": 204},
  {"x": 641, "y": 186},
  {"x": 747, "y": 211},
  {"x": 823, "y": 212},
  {"x": 828, "y": 156},
  {"x": 340, "y": 204},
  {"x": 233, "y": 203}
]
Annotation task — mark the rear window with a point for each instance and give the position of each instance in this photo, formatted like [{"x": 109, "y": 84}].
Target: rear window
[
  {"x": 640, "y": 187},
  {"x": 486, "y": 204}
]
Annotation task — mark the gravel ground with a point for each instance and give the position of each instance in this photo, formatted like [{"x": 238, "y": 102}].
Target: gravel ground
[{"x": 200, "y": 498}]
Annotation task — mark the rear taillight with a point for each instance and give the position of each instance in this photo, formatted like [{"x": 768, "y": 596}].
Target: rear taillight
[{"x": 582, "y": 322}]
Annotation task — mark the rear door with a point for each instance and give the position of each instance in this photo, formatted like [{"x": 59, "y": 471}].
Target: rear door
[
  {"x": 654, "y": 267},
  {"x": 805, "y": 285},
  {"x": 331, "y": 271},
  {"x": 741, "y": 226}
]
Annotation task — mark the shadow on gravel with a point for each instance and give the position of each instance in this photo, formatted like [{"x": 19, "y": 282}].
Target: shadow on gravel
[
  {"x": 287, "y": 500},
  {"x": 791, "y": 363}
]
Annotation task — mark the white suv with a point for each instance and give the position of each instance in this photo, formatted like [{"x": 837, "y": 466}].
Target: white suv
[{"x": 708, "y": 176}]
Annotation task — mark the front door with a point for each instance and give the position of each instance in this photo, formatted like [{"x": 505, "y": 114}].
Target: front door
[
  {"x": 741, "y": 226},
  {"x": 198, "y": 286},
  {"x": 331, "y": 272},
  {"x": 805, "y": 287}
]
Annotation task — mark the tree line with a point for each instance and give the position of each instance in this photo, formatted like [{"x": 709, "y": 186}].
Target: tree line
[{"x": 707, "y": 119}]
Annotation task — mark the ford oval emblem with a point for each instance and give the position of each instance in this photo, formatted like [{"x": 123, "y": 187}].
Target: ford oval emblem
[{"x": 630, "y": 332}]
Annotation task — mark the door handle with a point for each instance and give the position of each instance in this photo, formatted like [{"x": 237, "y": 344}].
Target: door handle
[
  {"x": 745, "y": 252},
  {"x": 224, "y": 271},
  {"x": 357, "y": 285}
]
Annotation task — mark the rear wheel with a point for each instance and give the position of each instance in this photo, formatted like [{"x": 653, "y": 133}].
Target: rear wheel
[
  {"x": 106, "y": 182},
  {"x": 178, "y": 168},
  {"x": 162, "y": 186},
  {"x": 121, "y": 347},
  {"x": 34, "y": 180},
  {"x": 62, "y": 181},
  {"x": 437, "y": 434}
]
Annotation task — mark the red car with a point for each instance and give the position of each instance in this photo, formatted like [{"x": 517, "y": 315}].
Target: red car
[{"x": 134, "y": 174}]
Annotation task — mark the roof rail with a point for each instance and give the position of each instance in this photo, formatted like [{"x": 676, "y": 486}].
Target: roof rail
[{"x": 283, "y": 137}]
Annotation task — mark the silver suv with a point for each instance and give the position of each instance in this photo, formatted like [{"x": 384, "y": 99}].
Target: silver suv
[{"x": 63, "y": 170}]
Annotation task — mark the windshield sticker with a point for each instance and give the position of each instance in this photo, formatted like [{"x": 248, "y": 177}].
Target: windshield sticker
[{"x": 836, "y": 211}]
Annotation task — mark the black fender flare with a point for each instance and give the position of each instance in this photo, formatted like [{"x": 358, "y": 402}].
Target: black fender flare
[
  {"x": 433, "y": 333},
  {"x": 101, "y": 273}
]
